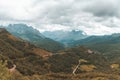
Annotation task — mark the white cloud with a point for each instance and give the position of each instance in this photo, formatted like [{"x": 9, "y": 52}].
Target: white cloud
[
  {"x": 53, "y": 27},
  {"x": 99, "y": 29},
  {"x": 95, "y": 17}
]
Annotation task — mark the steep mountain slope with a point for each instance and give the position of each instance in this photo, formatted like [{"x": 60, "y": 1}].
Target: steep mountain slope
[
  {"x": 21, "y": 53},
  {"x": 34, "y": 36},
  {"x": 65, "y": 37}
]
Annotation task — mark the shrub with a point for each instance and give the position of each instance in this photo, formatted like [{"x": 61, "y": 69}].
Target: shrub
[{"x": 4, "y": 72}]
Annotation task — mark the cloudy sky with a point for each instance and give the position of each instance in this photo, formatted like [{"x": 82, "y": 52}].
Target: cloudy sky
[{"x": 95, "y": 17}]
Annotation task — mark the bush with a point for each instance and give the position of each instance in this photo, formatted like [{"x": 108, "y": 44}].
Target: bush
[{"x": 4, "y": 72}]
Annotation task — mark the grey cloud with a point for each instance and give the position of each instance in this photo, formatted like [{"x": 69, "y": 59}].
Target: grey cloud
[
  {"x": 58, "y": 14},
  {"x": 63, "y": 13},
  {"x": 71, "y": 13},
  {"x": 104, "y": 8}
]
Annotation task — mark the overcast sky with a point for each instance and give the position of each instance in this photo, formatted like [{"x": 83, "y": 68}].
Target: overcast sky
[{"x": 95, "y": 17}]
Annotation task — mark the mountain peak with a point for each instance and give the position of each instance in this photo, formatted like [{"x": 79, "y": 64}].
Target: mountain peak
[{"x": 32, "y": 35}]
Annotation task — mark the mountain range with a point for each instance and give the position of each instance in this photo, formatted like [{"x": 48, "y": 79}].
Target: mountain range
[
  {"x": 89, "y": 58},
  {"x": 65, "y": 37},
  {"x": 107, "y": 44},
  {"x": 32, "y": 35},
  {"x": 31, "y": 60}
]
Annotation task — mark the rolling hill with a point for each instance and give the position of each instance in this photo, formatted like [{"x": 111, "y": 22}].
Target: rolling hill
[
  {"x": 93, "y": 66},
  {"x": 108, "y": 44}
]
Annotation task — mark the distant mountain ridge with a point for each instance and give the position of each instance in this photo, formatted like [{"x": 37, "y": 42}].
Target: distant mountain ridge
[
  {"x": 108, "y": 45},
  {"x": 106, "y": 39},
  {"x": 34, "y": 36},
  {"x": 65, "y": 37}
]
